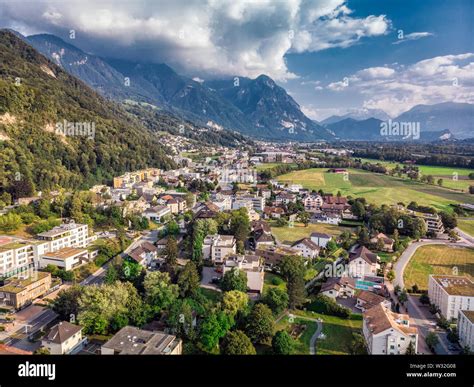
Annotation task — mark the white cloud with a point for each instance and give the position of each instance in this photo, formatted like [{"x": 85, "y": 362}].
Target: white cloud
[
  {"x": 412, "y": 36},
  {"x": 399, "y": 88},
  {"x": 219, "y": 37}
]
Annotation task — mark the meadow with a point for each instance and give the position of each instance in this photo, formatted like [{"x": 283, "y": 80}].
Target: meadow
[
  {"x": 377, "y": 188},
  {"x": 438, "y": 259},
  {"x": 299, "y": 231}
]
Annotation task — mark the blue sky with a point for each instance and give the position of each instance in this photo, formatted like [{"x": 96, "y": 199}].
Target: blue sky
[
  {"x": 332, "y": 56},
  {"x": 450, "y": 24}
]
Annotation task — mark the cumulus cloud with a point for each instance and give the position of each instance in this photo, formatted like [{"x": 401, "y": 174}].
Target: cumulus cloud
[
  {"x": 220, "y": 37},
  {"x": 399, "y": 88},
  {"x": 412, "y": 36}
]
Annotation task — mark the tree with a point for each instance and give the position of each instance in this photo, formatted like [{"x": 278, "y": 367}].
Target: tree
[
  {"x": 42, "y": 351},
  {"x": 171, "y": 251},
  {"x": 111, "y": 275},
  {"x": 66, "y": 304},
  {"x": 292, "y": 268},
  {"x": 188, "y": 280},
  {"x": 304, "y": 218},
  {"x": 283, "y": 343},
  {"x": 213, "y": 328},
  {"x": 391, "y": 275},
  {"x": 260, "y": 324},
  {"x": 424, "y": 299},
  {"x": 403, "y": 296},
  {"x": 234, "y": 279},
  {"x": 180, "y": 318},
  {"x": 432, "y": 340},
  {"x": 440, "y": 182},
  {"x": 410, "y": 349},
  {"x": 160, "y": 293},
  {"x": 449, "y": 221},
  {"x": 10, "y": 222},
  {"x": 357, "y": 346},
  {"x": 234, "y": 302},
  {"x": 240, "y": 224},
  {"x": 363, "y": 238},
  {"x": 358, "y": 209},
  {"x": 237, "y": 343},
  {"x": 276, "y": 299}
]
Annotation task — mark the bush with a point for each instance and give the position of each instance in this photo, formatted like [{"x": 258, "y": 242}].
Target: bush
[
  {"x": 326, "y": 305},
  {"x": 277, "y": 281}
]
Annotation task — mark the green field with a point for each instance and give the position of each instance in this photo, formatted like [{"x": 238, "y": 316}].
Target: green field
[
  {"x": 377, "y": 188},
  {"x": 299, "y": 231},
  {"x": 337, "y": 331},
  {"x": 454, "y": 178},
  {"x": 264, "y": 166},
  {"x": 467, "y": 225},
  {"x": 438, "y": 259},
  {"x": 302, "y": 343}
]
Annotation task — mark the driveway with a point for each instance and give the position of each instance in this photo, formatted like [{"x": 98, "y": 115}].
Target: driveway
[{"x": 207, "y": 274}]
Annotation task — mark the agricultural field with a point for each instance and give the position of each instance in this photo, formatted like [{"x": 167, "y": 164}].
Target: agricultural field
[
  {"x": 466, "y": 225},
  {"x": 299, "y": 231},
  {"x": 438, "y": 259},
  {"x": 453, "y": 178},
  {"x": 376, "y": 188},
  {"x": 264, "y": 166}
]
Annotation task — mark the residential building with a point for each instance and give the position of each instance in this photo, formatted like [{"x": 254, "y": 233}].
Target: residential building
[
  {"x": 343, "y": 287},
  {"x": 66, "y": 235},
  {"x": 387, "y": 242},
  {"x": 312, "y": 202},
  {"x": 285, "y": 198},
  {"x": 366, "y": 300},
  {"x": 144, "y": 254},
  {"x": 18, "y": 292},
  {"x": 157, "y": 213},
  {"x": 451, "y": 294},
  {"x": 274, "y": 254},
  {"x": 307, "y": 247},
  {"x": 15, "y": 255},
  {"x": 363, "y": 262},
  {"x": 63, "y": 338},
  {"x": 466, "y": 328},
  {"x": 320, "y": 239},
  {"x": 273, "y": 212},
  {"x": 66, "y": 258},
  {"x": 388, "y": 333},
  {"x": 252, "y": 266},
  {"x": 218, "y": 247},
  {"x": 134, "y": 341}
]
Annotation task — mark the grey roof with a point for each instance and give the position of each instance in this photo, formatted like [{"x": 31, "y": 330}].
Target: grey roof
[{"x": 62, "y": 331}]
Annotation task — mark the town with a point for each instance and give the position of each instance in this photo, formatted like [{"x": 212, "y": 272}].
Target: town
[{"x": 234, "y": 252}]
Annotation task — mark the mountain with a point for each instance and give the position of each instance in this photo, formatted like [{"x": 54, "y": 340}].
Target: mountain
[
  {"x": 273, "y": 113},
  {"x": 56, "y": 131},
  {"x": 371, "y": 130},
  {"x": 261, "y": 108},
  {"x": 350, "y": 129},
  {"x": 457, "y": 117},
  {"x": 91, "y": 69},
  {"x": 358, "y": 115}
]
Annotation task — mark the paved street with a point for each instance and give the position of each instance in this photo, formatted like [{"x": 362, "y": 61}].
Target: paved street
[{"x": 421, "y": 316}]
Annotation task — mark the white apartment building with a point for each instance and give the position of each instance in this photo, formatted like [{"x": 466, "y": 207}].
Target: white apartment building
[
  {"x": 66, "y": 258},
  {"x": 386, "y": 332},
  {"x": 466, "y": 328},
  {"x": 451, "y": 294},
  {"x": 312, "y": 202},
  {"x": 66, "y": 235},
  {"x": 15, "y": 255},
  {"x": 218, "y": 247}
]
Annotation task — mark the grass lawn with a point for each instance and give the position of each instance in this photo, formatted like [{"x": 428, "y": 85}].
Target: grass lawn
[
  {"x": 376, "y": 188},
  {"x": 302, "y": 343},
  {"x": 211, "y": 295},
  {"x": 299, "y": 231},
  {"x": 272, "y": 280},
  {"x": 467, "y": 226},
  {"x": 438, "y": 259},
  {"x": 338, "y": 332}
]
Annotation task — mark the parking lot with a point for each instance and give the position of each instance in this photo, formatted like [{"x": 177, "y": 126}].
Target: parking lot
[{"x": 208, "y": 273}]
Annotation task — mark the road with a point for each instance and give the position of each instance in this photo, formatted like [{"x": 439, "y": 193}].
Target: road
[
  {"x": 19, "y": 337},
  {"x": 98, "y": 276},
  {"x": 421, "y": 317}
]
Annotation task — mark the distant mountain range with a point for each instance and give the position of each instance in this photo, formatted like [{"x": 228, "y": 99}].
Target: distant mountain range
[{"x": 255, "y": 107}]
